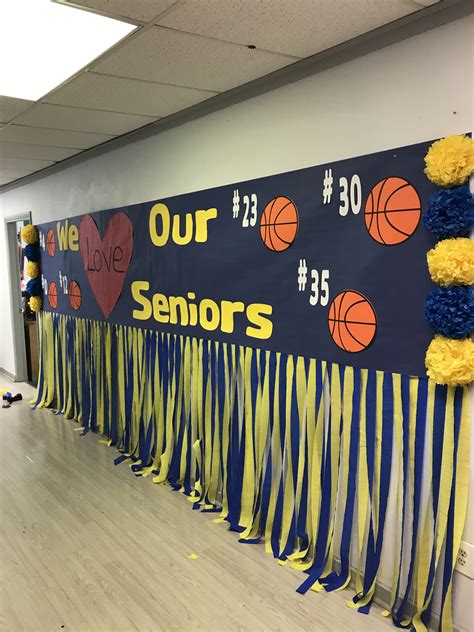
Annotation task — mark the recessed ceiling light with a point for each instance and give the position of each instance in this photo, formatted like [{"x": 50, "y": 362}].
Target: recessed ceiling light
[{"x": 42, "y": 43}]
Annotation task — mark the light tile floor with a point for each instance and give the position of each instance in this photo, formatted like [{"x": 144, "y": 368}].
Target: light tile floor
[{"x": 87, "y": 546}]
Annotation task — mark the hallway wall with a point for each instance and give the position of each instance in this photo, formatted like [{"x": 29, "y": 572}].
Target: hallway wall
[{"x": 418, "y": 89}]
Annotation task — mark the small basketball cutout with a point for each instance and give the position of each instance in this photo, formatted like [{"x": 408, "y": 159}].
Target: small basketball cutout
[
  {"x": 75, "y": 295},
  {"x": 352, "y": 321},
  {"x": 53, "y": 295},
  {"x": 279, "y": 224},
  {"x": 50, "y": 243},
  {"x": 392, "y": 211}
]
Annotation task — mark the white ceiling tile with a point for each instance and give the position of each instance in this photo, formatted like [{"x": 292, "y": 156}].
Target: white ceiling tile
[
  {"x": 13, "y": 174},
  {"x": 91, "y": 90},
  {"x": 82, "y": 120},
  {"x": 142, "y": 10},
  {"x": 169, "y": 56},
  {"x": 43, "y": 152},
  {"x": 6, "y": 180},
  {"x": 9, "y": 108},
  {"x": 24, "y": 163},
  {"x": 296, "y": 27},
  {"x": 51, "y": 137},
  {"x": 10, "y": 176}
]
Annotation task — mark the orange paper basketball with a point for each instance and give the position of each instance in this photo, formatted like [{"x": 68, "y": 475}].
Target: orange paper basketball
[
  {"x": 53, "y": 295},
  {"x": 352, "y": 321},
  {"x": 392, "y": 211},
  {"x": 279, "y": 224},
  {"x": 50, "y": 242},
  {"x": 75, "y": 295}
]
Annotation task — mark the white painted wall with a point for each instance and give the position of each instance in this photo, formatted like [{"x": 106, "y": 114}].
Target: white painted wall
[{"x": 415, "y": 90}]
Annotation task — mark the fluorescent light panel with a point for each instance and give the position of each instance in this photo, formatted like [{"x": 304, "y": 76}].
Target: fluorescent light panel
[{"x": 43, "y": 43}]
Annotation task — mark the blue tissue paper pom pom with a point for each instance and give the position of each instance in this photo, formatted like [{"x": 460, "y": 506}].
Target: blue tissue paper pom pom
[
  {"x": 33, "y": 287},
  {"x": 450, "y": 213},
  {"x": 449, "y": 311},
  {"x": 32, "y": 252}
]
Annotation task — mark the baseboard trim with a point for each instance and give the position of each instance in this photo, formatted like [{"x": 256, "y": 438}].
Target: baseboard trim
[{"x": 7, "y": 374}]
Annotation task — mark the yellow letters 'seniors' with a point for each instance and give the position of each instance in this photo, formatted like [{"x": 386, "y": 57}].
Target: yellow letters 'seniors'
[
  {"x": 147, "y": 311},
  {"x": 263, "y": 328},
  {"x": 207, "y": 313}
]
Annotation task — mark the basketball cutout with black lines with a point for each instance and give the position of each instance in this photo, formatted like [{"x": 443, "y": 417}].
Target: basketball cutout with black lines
[
  {"x": 53, "y": 295},
  {"x": 392, "y": 211},
  {"x": 352, "y": 321},
  {"x": 75, "y": 295},
  {"x": 50, "y": 243},
  {"x": 279, "y": 224}
]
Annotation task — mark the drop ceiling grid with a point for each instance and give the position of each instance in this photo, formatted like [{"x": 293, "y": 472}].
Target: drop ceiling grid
[
  {"x": 299, "y": 28},
  {"x": 51, "y": 130},
  {"x": 17, "y": 173},
  {"x": 51, "y": 137},
  {"x": 140, "y": 11},
  {"x": 169, "y": 56},
  {"x": 10, "y": 108},
  {"x": 28, "y": 164},
  {"x": 146, "y": 98},
  {"x": 35, "y": 152},
  {"x": 73, "y": 118},
  {"x": 182, "y": 53}
]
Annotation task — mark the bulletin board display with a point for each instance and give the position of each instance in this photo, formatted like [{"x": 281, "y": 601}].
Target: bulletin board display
[{"x": 327, "y": 262}]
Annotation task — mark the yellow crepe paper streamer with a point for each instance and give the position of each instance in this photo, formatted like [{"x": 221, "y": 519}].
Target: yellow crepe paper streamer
[
  {"x": 462, "y": 496},
  {"x": 450, "y": 161},
  {"x": 35, "y": 303},
  {"x": 29, "y": 234},
  {"x": 450, "y": 361},
  {"x": 451, "y": 262},
  {"x": 32, "y": 269}
]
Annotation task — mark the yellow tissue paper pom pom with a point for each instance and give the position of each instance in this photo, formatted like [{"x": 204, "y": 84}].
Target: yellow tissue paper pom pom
[
  {"x": 32, "y": 269},
  {"x": 29, "y": 234},
  {"x": 450, "y": 361},
  {"x": 35, "y": 303},
  {"x": 450, "y": 161},
  {"x": 451, "y": 262}
]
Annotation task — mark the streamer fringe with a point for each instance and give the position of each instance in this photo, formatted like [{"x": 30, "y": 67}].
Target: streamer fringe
[{"x": 294, "y": 452}]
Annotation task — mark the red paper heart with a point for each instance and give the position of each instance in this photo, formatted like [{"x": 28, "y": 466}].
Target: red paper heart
[{"x": 106, "y": 260}]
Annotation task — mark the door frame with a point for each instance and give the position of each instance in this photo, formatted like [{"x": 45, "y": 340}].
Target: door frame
[{"x": 13, "y": 269}]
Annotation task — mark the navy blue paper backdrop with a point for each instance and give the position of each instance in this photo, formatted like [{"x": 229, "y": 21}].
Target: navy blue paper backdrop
[{"x": 234, "y": 264}]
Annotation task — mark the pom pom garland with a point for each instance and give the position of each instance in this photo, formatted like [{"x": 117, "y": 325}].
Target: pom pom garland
[
  {"x": 450, "y": 362},
  {"x": 35, "y": 303},
  {"x": 451, "y": 262},
  {"x": 32, "y": 269},
  {"x": 450, "y": 161},
  {"x": 33, "y": 287},
  {"x": 450, "y": 311},
  {"x": 32, "y": 252},
  {"x": 29, "y": 234},
  {"x": 450, "y": 213}
]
